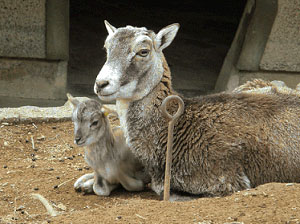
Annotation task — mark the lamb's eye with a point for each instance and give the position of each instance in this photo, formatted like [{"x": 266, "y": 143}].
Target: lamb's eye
[
  {"x": 143, "y": 52},
  {"x": 94, "y": 123}
]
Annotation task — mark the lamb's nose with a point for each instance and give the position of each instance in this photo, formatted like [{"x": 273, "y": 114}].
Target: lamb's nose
[
  {"x": 101, "y": 85},
  {"x": 77, "y": 139}
]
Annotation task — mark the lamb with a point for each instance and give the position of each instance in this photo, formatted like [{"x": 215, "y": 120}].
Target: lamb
[
  {"x": 105, "y": 151},
  {"x": 223, "y": 143}
]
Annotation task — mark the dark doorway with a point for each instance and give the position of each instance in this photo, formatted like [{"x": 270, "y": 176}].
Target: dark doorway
[{"x": 195, "y": 57}]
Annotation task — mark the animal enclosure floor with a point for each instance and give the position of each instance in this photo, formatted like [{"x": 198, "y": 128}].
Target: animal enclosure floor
[{"x": 52, "y": 168}]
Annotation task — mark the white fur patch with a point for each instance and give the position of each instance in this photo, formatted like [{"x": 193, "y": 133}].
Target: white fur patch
[{"x": 122, "y": 109}]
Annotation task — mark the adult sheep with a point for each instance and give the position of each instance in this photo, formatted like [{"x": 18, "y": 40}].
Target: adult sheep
[{"x": 222, "y": 143}]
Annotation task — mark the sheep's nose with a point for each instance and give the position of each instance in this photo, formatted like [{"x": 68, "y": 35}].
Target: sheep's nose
[
  {"x": 77, "y": 139},
  {"x": 101, "y": 85}
]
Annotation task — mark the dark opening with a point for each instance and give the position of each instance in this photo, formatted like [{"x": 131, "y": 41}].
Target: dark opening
[{"x": 195, "y": 56}]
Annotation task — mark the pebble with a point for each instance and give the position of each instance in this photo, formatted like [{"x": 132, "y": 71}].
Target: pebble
[
  {"x": 21, "y": 207},
  {"x": 289, "y": 184},
  {"x": 36, "y": 188},
  {"x": 50, "y": 169},
  {"x": 5, "y": 166},
  {"x": 56, "y": 186},
  {"x": 79, "y": 169},
  {"x": 5, "y": 143}
]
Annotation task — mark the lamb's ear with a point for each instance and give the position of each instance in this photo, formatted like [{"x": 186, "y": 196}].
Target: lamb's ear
[
  {"x": 110, "y": 29},
  {"x": 106, "y": 111},
  {"x": 165, "y": 36},
  {"x": 74, "y": 102}
]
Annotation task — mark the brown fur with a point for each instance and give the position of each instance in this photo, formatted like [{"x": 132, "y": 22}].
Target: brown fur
[{"x": 222, "y": 143}]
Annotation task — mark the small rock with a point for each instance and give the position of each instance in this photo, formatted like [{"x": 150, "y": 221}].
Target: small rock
[
  {"x": 5, "y": 143},
  {"x": 119, "y": 217},
  {"x": 5, "y": 166},
  {"x": 53, "y": 127},
  {"x": 36, "y": 188},
  {"x": 62, "y": 206},
  {"x": 55, "y": 187},
  {"x": 33, "y": 159},
  {"x": 58, "y": 177},
  {"x": 41, "y": 138},
  {"x": 86, "y": 168},
  {"x": 61, "y": 160},
  {"x": 21, "y": 207},
  {"x": 5, "y": 124},
  {"x": 50, "y": 169},
  {"x": 289, "y": 184},
  {"x": 79, "y": 169}
]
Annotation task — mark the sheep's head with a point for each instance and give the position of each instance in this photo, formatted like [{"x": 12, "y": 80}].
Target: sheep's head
[
  {"x": 134, "y": 64},
  {"x": 89, "y": 121}
]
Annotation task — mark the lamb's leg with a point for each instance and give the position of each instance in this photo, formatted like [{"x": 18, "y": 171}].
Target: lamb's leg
[
  {"x": 85, "y": 183},
  {"x": 101, "y": 187},
  {"x": 130, "y": 183}
]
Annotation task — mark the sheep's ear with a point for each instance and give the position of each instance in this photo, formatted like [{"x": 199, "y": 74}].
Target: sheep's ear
[
  {"x": 74, "y": 102},
  {"x": 165, "y": 36},
  {"x": 110, "y": 29}
]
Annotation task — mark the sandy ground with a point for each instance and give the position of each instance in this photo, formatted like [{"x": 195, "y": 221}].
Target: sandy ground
[{"x": 51, "y": 165}]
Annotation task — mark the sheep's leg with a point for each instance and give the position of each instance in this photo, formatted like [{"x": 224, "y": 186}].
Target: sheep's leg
[
  {"x": 158, "y": 187},
  {"x": 85, "y": 183},
  {"x": 130, "y": 183},
  {"x": 101, "y": 187}
]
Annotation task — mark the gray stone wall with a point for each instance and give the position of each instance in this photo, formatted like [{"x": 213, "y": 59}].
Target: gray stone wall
[
  {"x": 23, "y": 28},
  {"x": 34, "y": 38},
  {"x": 33, "y": 78},
  {"x": 272, "y": 55},
  {"x": 282, "y": 52}
]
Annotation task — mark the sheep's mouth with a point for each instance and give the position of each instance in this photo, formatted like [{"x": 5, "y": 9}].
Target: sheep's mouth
[{"x": 106, "y": 95}]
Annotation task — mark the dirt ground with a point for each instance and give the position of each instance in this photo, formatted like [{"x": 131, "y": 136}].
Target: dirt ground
[{"x": 41, "y": 158}]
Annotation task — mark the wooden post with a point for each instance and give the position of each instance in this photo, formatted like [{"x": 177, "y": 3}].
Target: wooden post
[{"x": 172, "y": 119}]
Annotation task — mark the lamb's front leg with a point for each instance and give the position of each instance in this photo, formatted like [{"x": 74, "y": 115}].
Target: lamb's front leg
[
  {"x": 130, "y": 183},
  {"x": 85, "y": 183},
  {"x": 101, "y": 187}
]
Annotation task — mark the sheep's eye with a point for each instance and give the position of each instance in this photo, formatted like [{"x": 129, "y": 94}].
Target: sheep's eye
[
  {"x": 94, "y": 123},
  {"x": 143, "y": 52}
]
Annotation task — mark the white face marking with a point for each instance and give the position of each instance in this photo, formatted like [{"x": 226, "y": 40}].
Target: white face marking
[{"x": 141, "y": 38}]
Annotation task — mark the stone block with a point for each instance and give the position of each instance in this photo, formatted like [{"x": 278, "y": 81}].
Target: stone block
[
  {"x": 23, "y": 28},
  {"x": 282, "y": 52},
  {"x": 35, "y": 79}
]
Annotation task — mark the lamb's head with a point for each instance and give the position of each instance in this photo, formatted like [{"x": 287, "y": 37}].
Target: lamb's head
[
  {"x": 134, "y": 64},
  {"x": 89, "y": 121}
]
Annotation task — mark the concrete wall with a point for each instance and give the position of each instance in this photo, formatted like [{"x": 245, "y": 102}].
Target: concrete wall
[
  {"x": 34, "y": 49},
  {"x": 266, "y": 45}
]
